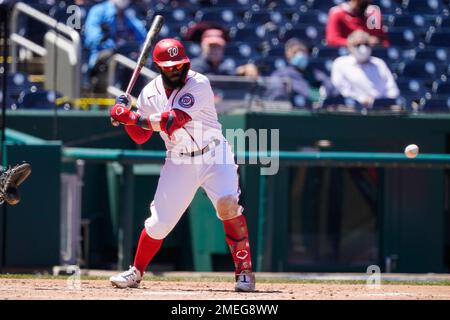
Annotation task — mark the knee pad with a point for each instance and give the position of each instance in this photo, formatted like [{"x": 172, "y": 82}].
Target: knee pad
[
  {"x": 155, "y": 227},
  {"x": 228, "y": 208}
]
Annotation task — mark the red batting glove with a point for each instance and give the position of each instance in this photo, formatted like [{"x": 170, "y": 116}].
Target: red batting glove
[{"x": 123, "y": 115}]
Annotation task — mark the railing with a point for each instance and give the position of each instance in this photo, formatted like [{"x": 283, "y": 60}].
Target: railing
[{"x": 18, "y": 40}]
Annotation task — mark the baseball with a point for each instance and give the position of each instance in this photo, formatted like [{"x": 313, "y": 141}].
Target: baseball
[{"x": 412, "y": 151}]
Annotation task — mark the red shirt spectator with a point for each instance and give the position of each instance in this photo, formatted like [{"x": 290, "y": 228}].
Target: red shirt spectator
[{"x": 354, "y": 15}]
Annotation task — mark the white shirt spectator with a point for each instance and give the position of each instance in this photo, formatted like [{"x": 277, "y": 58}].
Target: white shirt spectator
[{"x": 363, "y": 81}]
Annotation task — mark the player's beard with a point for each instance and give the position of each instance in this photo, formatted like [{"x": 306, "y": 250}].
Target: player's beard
[{"x": 179, "y": 82}]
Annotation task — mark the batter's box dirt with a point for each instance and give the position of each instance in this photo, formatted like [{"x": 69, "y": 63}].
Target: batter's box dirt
[{"x": 52, "y": 289}]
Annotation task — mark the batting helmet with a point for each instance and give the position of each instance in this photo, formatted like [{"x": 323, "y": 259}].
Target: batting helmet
[{"x": 169, "y": 52}]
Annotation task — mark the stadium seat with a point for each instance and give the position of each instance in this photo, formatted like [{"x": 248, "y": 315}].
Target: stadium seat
[
  {"x": 435, "y": 105},
  {"x": 38, "y": 100},
  {"x": 311, "y": 35},
  {"x": 262, "y": 17},
  {"x": 233, "y": 3},
  {"x": 405, "y": 37},
  {"x": 324, "y": 52},
  {"x": 313, "y": 17},
  {"x": 322, "y": 5},
  {"x": 389, "y": 104},
  {"x": 270, "y": 64},
  {"x": 223, "y": 16},
  {"x": 443, "y": 23},
  {"x": 411, "y": 88},
  {"x": 423, "y": 6},
  {"x": 390, "y": 55},
  {"x": 240, "y": 50},
  {"x": 252, "y": 35},
  {"x": 283, "y": 4},
  {"x": 439, "y": 39},
  {"x": 16, "y": 83},
  {"x": 416, "y": 20},
  {"x": 424, "y": 70},
  {"x": 388, "y": 6},
  {"x": 193, "y": 49},
  {"x": 322, "y": 64},
  {"x": 441, "y": 88},
  {"x": 178, "y": 15},
  {"x": 429, "y": 53},
  {"x": 340, "y": 101}
]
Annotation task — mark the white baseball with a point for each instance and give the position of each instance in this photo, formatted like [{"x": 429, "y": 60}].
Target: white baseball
[{"x": 412, "y": 151}]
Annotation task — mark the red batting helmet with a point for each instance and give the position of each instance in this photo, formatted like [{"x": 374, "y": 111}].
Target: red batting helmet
[{"x": 169, "y": 52}]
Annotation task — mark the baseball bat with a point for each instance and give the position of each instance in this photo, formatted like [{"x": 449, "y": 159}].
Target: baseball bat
[{"x": 155, "y": 28}]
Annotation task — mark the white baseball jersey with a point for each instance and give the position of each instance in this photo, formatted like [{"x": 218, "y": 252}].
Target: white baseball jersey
[
  {"x": 196, "y": 99},
  {"x": 215, "y": 172}
]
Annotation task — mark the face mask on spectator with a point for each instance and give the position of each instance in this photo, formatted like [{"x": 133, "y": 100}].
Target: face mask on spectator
[
  {"x": 300, "y": 60},
  {"x": 121, "y": 4},
  {"x": 362, "y": 53}
]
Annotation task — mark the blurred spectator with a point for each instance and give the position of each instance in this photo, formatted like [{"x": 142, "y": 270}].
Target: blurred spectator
[
  {"x": 211, "y": 60},
  {"x": 110, "y": 28},
  {"x": 298, "y": 78},
  {"x": 353, "y": 15},
  {"x": 361, "y": 76}
]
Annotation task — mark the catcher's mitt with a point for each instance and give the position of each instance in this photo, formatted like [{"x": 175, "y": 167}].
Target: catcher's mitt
[{"x": 10, "y": 180}]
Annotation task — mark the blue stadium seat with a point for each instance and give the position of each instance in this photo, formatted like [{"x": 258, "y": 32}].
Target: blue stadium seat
[
  {"x": 223, "y": 16},
  {"x": 404, "y": 37},
  {"x": 269, "y": 65},
  {"x": 312, "y": 35},
  {"x": 38, "y": 100},
  {"x": 439, "y": 38},
  {"x": 340, "y": 101},
  {"x": 328, "y": 52},
  {"x": 389, "y": 104},
  {"x": 261, "y": 17},
  {"x": 240, "y": 50},
  {"x": 283, "y": 4},
  {"x": 424, "y": 70},
  {"x": 423, "y": 6},
  {"x": 193, "y": 49},
  {"x": 441, "y": 55},
  {"x": 412, "y": 20},
  {"x": 253, "y": 34},
  {"x": 233, "y": 3},
  {"x": 322, "y": 64},
  {"x": 16, "y": 83},
  {"x": 390, "y": 55},
  {"x": 388, "y": 6},
  {"x": 178, "y": 15},
  {"x": 312, "y": 17},
  {"x": 322, "y": 5},
  {"x": 443, "y": 23},
  {"x": 411, "y": 88},
  {"x": 441, "y": 88},
  {"x": 435, "y": 105},
  {"x": 276, "y": 52}
]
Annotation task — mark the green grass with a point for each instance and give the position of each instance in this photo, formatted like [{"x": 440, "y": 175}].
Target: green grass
[{"x": 276, "y": 280}]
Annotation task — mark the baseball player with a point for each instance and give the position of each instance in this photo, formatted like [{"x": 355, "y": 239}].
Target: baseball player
[{"x": 179, "y": 104}]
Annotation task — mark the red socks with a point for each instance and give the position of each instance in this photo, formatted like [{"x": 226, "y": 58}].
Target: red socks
[
  {"x": 236, "y": 235},
  {"x": 146, "y": 250}
]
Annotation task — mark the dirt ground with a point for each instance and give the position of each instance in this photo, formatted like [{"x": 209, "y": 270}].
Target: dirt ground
[{"x": 18, "y": 289}]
